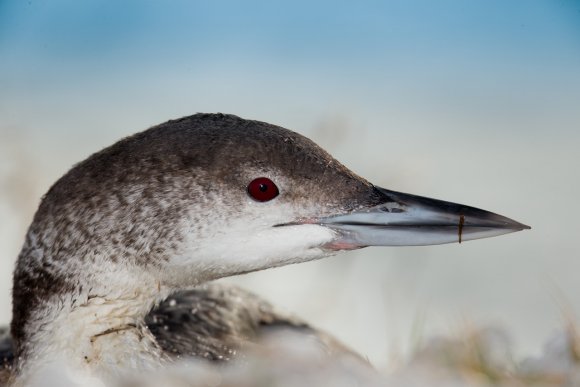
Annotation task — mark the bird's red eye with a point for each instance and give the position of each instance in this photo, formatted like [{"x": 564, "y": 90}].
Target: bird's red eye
[{"x": 262, "y": 189}]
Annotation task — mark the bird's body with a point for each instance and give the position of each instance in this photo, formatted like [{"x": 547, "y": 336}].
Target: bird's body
[
  {"x": 108, "y": 279},
  {"x": 214, "y": 322}
]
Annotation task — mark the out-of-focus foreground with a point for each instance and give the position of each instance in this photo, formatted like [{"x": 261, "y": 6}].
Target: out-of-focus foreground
[
  {"x": 481, "y": 358},
  {"x": 478, "y": 359}
]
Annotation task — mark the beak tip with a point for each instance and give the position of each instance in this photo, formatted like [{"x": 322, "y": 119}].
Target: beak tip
[{"x": 519, "y": 226}]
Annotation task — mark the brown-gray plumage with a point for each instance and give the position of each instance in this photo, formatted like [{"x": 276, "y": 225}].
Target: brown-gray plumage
[
  {"x": 171, "y": 208},
  {"x": 193, "y": 159}
]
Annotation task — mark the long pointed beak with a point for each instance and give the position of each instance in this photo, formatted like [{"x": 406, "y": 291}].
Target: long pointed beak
[{"x": 410, "y": 220}]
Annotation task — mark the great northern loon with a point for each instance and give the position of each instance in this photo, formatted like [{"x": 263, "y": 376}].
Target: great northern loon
[{"x": 111, "y": 275}]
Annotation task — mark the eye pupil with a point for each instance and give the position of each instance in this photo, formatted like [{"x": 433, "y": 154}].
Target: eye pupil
[{"x": 262, "y": 189}]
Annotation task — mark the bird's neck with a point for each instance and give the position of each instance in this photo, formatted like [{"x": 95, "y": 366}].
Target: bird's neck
[{"x": 95, "y": 333}]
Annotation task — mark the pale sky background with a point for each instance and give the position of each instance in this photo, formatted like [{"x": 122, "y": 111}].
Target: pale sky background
[{"x": 470, "y": 101}]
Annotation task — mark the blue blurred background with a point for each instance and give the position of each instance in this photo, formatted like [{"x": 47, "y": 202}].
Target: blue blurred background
[{"x": 475, "y": 102}]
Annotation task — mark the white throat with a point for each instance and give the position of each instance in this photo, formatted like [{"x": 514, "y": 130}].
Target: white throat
[{"x": 93, "y": 335}]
